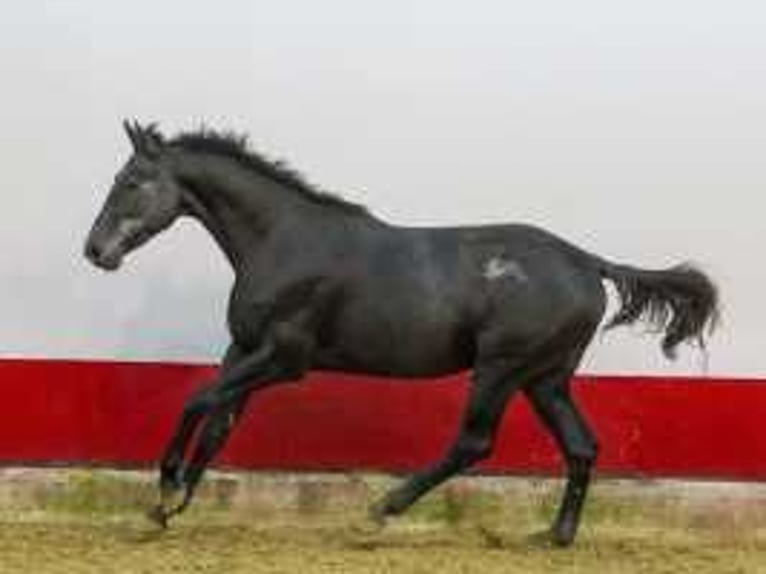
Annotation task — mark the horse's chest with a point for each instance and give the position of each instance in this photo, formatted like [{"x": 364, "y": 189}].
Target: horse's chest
[
  {"x": 248, "y": 319},
  {"x": 253, "y": 313}
]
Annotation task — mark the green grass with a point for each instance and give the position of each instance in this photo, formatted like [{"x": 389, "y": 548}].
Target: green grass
[{"x": 94, "y": 522}]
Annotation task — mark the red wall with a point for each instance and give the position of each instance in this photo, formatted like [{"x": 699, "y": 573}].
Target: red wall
[{"x": 122, "y": 413}]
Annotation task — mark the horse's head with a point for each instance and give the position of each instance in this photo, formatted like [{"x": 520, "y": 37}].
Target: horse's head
[{"x": 144, "y": 200}]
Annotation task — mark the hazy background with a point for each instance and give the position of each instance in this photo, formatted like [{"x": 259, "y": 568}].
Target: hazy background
[{"x": 634, "y": 129}]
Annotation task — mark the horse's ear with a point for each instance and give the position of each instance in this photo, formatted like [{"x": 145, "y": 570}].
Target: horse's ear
[
  {"x": 152, "y": 139},
  {"x": 133, "y": 134},
  {"x": 146, "y": 140}
]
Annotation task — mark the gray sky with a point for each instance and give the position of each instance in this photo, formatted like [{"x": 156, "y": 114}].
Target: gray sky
[{"x": 636, "y": 130}]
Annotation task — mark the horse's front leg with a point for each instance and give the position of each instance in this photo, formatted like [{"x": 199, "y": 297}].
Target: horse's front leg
[
  {"x": 212, "y": 438},
  {"x": 171, "y": 466},
  {"x": 215, "y": 431},
  {"x": 283, "y": 354},
  {"x": 222, "y": 404},
  {"x": 177, "y": 485}
]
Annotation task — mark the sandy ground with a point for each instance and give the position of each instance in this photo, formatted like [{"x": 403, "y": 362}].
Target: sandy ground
[{"x": 94, "y": 524}]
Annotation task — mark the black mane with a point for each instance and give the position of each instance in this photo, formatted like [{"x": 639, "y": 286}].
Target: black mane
[{"x": 235, "y": 147}]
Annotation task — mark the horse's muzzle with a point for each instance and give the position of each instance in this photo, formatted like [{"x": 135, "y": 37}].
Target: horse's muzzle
[{"x": 106, "y": 258}]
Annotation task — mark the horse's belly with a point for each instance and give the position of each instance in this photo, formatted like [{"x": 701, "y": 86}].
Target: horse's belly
[{"x": 412, "y": 341}]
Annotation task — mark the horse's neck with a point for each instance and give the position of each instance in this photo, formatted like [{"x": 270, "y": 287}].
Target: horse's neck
[
  {"x": 229, "y": 203},
  {"x": 238, "y": 208}
]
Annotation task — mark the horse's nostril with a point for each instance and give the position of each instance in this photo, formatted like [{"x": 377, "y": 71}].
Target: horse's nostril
[{"x": 92, "y": 251}]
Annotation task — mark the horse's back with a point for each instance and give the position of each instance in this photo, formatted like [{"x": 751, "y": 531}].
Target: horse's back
[{"x": 425, "y": 296}]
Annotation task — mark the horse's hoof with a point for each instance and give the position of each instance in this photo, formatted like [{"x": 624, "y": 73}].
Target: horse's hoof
[
  {"x": 563, "y": 534},
  {"x": 389, "y": 507},
  {"x": 378, "y": 515},
  {"x": 549, "y": 539},
  {"x": 364, "y": 527},
  {"x": 158, "y": 516},
  {"x": 562, "y": 540},
  {"x": 559, "y": 537}
]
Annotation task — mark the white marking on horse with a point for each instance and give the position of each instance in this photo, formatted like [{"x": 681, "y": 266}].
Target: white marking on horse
[{"x": 497, "y": 268}]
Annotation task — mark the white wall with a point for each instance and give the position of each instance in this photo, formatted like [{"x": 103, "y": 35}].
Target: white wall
[{"x": 635, "y": 129}]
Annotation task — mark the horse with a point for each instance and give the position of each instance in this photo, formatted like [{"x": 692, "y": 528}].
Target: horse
[{"x": 322, "y": 283}]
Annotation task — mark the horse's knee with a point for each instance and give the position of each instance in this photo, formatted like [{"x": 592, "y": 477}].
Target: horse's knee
[
  {"x": 593, "y": 450},
  {"x": 219, "y": 427},
  {"x": 199, "y": 404}
]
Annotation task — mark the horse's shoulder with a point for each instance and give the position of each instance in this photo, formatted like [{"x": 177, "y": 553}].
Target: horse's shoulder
[{"x": 254, "y": 306}]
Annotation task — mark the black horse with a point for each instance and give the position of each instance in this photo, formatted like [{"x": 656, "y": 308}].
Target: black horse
[{"x": 321, "y": 283}]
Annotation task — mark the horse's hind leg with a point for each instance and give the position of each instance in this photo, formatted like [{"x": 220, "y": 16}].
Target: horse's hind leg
[
  {"x": 492, "y": 387},
  {"x": 552, "y": 400}
]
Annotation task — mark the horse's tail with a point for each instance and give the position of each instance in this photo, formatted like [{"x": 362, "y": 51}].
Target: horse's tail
[{"x": 681, "y": 302}]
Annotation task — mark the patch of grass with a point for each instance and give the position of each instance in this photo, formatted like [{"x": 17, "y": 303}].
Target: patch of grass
[
  {"x": 98, "y": 492},
  {"x": 88, "y": 492},
  {"x": 87, "y": 521}
]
